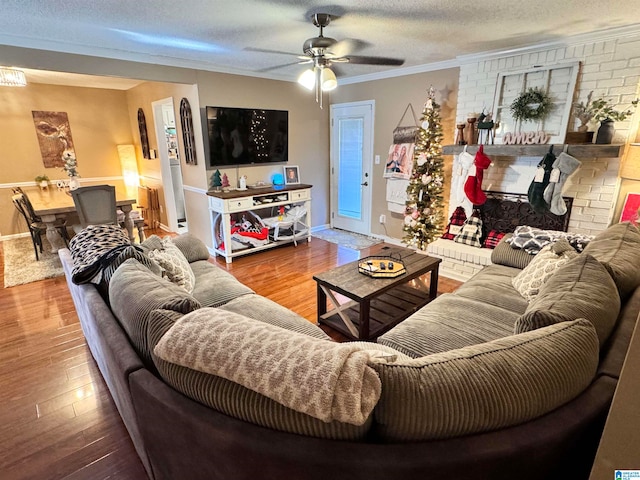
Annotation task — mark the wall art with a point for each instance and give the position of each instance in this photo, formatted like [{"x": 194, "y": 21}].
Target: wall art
[{"x": 54, "y": 136}]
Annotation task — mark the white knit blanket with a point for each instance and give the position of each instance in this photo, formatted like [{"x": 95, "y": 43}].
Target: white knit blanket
[{"x": 326, "y": 380}]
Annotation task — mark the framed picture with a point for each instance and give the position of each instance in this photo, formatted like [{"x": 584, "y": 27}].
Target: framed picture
[
  {"x": 291, "y": 175},
  {"x": 399, "y": 161},
  {"x": 631, "y": 207}
]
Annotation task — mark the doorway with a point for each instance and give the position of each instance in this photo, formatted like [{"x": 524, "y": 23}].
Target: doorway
[
  {"x": 351, "y": 165},
  {"x": 165, "y": 122}
]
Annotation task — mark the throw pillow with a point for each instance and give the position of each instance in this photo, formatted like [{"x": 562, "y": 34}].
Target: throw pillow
[
  {"x": 471, "y": 231},
  {"x": 581, "y": 288},
  {"x": 504, "y": 254},
  {"x": 455, "y": 224},
  {"x": 529, "y": 281},
  {"x": 175, "y": 264},
  {"x": 192, "y": 247},
  {"x": 493, "y": 238}
]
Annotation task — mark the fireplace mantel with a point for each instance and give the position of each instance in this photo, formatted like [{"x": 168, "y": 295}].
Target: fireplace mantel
[{"x": 583, "y": 150}]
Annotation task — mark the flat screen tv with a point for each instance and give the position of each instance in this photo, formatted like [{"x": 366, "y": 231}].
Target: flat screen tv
[{"x": 244, "y": 136}]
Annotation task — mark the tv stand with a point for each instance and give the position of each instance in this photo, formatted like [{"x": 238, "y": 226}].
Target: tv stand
[{"x": 256, "y": 202}]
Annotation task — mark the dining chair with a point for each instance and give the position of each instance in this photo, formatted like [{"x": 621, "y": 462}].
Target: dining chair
[
  {"x": 96, "y": 205},
  {"x": 35, "y": 225}
]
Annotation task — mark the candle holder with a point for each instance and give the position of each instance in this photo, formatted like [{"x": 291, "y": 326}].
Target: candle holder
[
  {"x": 460, "y": 134},
  {"x": 471, "y": 134}
]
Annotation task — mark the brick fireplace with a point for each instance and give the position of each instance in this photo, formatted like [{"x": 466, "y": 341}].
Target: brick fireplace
[
  {"x": 593, "y": 187},
  {"x": 611, "y": 68}
]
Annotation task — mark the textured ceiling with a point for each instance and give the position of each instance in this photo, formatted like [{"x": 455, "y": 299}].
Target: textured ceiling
[{"x": 214, "y": 34}]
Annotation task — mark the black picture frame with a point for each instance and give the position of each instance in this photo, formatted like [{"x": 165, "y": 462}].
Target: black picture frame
[
  {"x": 144, "y": 136},
  {"x": 188, "y": 138}
]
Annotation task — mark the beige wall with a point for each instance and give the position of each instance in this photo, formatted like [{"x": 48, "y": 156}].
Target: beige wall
[
  {"x": 309, "y": 152},
  {"x": 391, "y": 98},
  {"x": 308, "y": 130},
  {"x": 193, "y": 176},
  {"x": 98, "y": 121},
  {"x": 308, "y": 124}
]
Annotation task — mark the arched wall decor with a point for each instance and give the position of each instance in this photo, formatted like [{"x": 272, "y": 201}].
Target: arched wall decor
[
  {"x": 144, "y": 136},
  {"x": 186, "y": 120}
]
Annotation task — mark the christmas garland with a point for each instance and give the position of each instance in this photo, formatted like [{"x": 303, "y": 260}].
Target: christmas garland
[{"x": 534, "y": 104}]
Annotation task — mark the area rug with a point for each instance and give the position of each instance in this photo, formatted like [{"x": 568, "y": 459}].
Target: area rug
[
  {"x": 20, "y": 265},
  {"x": 346, "y": 239}
]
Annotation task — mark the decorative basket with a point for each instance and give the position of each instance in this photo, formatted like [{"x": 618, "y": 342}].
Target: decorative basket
[{"x": 381, "y": 267}]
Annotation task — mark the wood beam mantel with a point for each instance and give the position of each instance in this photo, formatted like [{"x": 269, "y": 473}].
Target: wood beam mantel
[{"x": 575, "y": 150}]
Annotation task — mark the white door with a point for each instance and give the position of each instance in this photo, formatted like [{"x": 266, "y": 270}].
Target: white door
[{"x": 351, "y": 165}]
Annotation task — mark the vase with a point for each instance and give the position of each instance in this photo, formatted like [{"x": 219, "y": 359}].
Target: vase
[
  {"x": 605, "y": 132},
  {"x": 74, "y": 183}
]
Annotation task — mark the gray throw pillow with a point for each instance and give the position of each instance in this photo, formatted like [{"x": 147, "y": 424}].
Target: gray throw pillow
[
  {"x": 505, "y": 254},
  {"x": 581, "y": 288},
  {"x": 191, "y": 247}
]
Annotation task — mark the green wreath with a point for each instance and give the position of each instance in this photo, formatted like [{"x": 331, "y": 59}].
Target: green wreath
[{"x": 534, "y": 104}]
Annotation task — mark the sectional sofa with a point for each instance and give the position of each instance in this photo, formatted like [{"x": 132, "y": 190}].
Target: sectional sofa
[{"x": 221, "y": 383}]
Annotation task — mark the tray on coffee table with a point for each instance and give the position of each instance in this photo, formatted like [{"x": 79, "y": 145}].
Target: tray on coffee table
[{"x": 381, "y": 267}]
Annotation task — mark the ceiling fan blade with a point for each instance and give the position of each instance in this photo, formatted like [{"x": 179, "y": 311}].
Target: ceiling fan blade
[
  {"x": 362, "y": 60},
  {"x": 344, "y": 47},
  {"x": 264, "y": 50},
  {"x": 275, "y": 67}
]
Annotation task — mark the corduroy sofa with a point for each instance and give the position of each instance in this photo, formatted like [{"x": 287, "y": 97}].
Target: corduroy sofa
[{"x": 460, "y": 393}]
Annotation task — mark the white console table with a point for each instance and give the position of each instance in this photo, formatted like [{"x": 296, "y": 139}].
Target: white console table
[{"x": 224, "y": 204}]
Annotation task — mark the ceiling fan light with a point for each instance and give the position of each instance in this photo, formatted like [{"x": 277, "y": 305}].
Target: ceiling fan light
[
  {"x": 328, "y": 80},
  {"x": 307, "y": 79}
]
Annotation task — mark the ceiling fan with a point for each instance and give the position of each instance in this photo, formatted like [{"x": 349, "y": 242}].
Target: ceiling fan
[{"x": 321, "y": 52}]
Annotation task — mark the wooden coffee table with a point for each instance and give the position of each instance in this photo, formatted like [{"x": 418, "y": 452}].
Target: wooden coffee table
[{"x": 377, "y": 304}]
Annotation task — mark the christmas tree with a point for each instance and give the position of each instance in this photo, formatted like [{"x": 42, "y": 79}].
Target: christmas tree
[
  {"x": 424, "y": 217},
  {"x": 216, "y": 182},
  {"x": 225, "y": 181}
]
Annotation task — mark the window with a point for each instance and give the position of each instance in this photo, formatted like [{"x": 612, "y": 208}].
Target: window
[{"x": 558, "y": 82}]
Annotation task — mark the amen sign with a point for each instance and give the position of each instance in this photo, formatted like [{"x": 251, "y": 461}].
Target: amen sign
[{"x": 525, "y": 138}]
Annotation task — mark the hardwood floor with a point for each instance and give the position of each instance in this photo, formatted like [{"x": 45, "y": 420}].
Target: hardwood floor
[{"x": 57, "y": 419}]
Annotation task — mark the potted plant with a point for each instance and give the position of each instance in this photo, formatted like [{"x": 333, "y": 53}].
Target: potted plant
[
  {"x": 582, "y": 111},
  {"x": 602, "y": 111},
  {"x": 42, "y": 181}
]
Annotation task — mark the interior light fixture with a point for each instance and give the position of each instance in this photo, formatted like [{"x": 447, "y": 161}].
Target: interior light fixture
[
  {"x": 321, "y": 78},
  {"x": 328, "y": 80},
  {"x": 129, "y": 166},
  {"x": 12, "y": 77},
  {"x": 307, "y": 79}
]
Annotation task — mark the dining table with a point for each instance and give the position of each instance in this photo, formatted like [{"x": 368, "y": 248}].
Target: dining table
[{"x": 54, "y": 203}]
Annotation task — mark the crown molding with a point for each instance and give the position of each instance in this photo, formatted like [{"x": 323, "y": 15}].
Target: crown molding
[
  {"x": 124, "y": 55},
  {"x": 610, "y": 34},
  {"x": 598, "y": 36},
  {"x": 400, "y": 72}
]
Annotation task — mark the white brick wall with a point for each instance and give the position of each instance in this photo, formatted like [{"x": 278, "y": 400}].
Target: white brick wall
[
  {"x": 459, "y": 261},
  {"x": 611, "y": 68}
]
